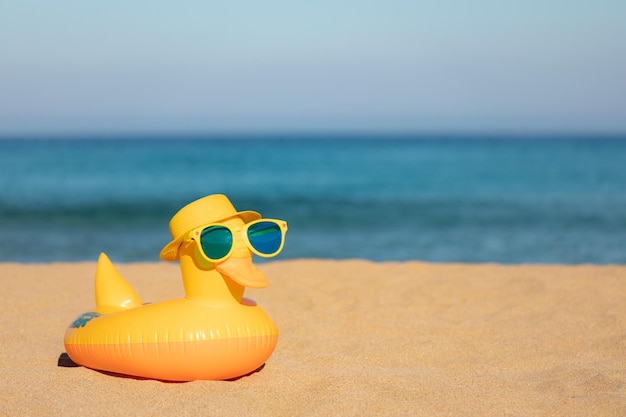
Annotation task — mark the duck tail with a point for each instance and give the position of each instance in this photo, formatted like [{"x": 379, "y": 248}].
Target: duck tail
[{"x": 113, "y": 292}]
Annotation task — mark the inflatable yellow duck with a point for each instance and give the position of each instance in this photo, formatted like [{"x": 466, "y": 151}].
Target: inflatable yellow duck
[{"x": 212, "y": 333}]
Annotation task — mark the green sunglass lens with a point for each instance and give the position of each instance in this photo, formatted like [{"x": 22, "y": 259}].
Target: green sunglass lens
[
  {"x": 265, "y": 237},
  {"x": 216, "y": 242}
]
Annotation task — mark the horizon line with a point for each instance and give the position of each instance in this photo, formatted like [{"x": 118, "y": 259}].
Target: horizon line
[{"x": 309, "y": 134}]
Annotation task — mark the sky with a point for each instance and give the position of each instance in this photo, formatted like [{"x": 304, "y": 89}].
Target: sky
[{"x": 450, "y": 66}]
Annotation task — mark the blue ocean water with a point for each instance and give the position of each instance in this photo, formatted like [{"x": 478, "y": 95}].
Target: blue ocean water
[{"x": 448, "y": 199}]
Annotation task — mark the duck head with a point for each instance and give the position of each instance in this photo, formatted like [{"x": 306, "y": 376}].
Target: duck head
[
  {"x": 222, "y": 278},
  {"x": 225, "y": 280}
]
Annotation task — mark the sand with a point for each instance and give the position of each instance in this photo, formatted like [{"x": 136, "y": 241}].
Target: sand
[{"x": 356, "y": 338}]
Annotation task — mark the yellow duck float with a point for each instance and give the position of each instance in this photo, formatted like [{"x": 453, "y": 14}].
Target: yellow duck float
[{"x": 212, "y": 333}]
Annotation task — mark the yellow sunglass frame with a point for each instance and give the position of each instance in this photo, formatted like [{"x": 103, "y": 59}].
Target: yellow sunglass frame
[{"x": 196, "y": 233}]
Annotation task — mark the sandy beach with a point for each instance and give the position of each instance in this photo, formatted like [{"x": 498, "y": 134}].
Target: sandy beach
[{"x": 356, "y": 338}]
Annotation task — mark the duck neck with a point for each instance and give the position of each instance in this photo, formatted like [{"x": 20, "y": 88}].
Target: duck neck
[{"x": 205, "y": 284}]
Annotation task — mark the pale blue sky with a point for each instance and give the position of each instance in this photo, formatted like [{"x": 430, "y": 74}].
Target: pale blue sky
[{"x": 240, "y": 66}]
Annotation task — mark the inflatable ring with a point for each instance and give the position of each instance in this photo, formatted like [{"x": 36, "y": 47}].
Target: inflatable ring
[{"x": 212, "y": 333}]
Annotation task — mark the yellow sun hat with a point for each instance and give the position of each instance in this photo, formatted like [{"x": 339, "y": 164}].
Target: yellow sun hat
[{"x": 210, "y": 209}]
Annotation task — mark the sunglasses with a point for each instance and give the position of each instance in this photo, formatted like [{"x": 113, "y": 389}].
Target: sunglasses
[{"x": 264, "y": 237}]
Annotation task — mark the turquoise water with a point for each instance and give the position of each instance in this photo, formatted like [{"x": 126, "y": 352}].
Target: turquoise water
[{"x": 454, "y": 199}]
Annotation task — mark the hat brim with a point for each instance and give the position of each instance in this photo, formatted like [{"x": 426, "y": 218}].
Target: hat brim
[{"x": 170, "y": 251}]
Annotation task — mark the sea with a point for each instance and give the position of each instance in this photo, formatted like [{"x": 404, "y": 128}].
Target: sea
[{"x": 437, "y": 198}]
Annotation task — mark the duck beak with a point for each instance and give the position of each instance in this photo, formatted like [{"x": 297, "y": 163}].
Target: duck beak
[{"x": 243, "y": 272}]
